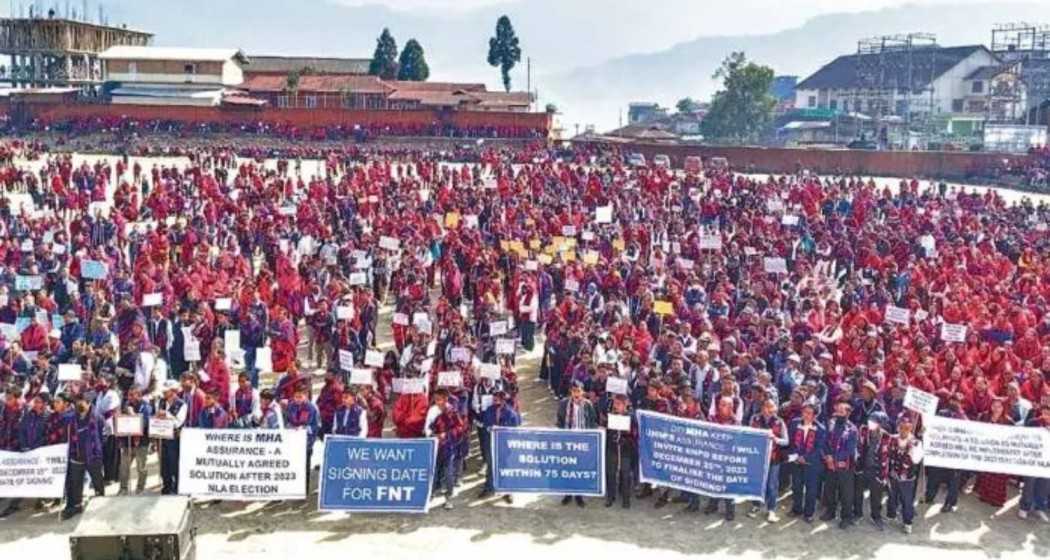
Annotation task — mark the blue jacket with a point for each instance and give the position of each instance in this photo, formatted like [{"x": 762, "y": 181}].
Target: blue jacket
[
  {"x": 85, "y": 443},
  {"x": 72, "y": 332},
  {"x": 348, "y": 421},
  {"x": 32, "y": 431},
  {"x": 503, "y": 415},
  {"x": 304, "y": 416},
  {"x": 842, "y": 444},
  {"x": 811, "y": 448}
]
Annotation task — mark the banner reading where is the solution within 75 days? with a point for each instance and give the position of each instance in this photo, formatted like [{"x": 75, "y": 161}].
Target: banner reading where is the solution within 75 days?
[
  {"x": 708, "y": 459},
  {"x": 243, "y": 465},
  {"x": 537, "y": 461},
  {"x": 40, "y": 473},
  {"x": 380, "y": 475}
]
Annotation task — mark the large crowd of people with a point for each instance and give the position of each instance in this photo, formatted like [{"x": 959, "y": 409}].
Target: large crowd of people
[
  {"x": 262, "y": 130},
  {"x": 135, "y": 274}
]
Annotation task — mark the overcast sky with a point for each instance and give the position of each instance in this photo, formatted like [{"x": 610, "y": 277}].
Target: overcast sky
[{"x": 688, "y": 18}]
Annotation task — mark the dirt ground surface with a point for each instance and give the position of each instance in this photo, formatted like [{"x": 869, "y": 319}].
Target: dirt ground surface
[{"x": 539, "y": 526}]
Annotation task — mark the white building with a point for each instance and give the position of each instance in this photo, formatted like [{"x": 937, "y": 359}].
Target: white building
[
  {"x": 171, "y": 76},
  {"x": 926, "y": 80}
]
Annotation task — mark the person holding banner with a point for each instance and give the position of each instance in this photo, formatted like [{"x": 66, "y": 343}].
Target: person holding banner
[
  {"x": 576, "y": 413},
  {"x": 32, "y": 433},
  {"x": 498, "y": 414},
  {"x": 767, "y": 419},
  {"x": 135, "y": 448},
  {"x": 936, "y": 476},
  {"x": 1035, "y": 492},
  {"x": 905, "y": 454},
  {"x": 445, "y": 423},
  {"x": 808, "y": 440},
  {"x": 991, "y": 487},
  {"x": 301, "y": 414},
  {"x": 85, "y": 457},
  {"x": 725, "y": 415},
  {"x": 171, "y": 406}
]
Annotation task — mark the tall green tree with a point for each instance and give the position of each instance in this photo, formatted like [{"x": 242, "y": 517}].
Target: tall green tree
[
  {"x": 412, "y": 66},
  {"x": 687, "y": 105},
  {"x": 504, "y": 50},
  {"x": 384, "y": 60},
  {"x": 743, "y": 109},
  {"x": 291, "y": 82}
]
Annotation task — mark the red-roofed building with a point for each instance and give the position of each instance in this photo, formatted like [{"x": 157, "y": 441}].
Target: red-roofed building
[{"x": 370, "y": 92}]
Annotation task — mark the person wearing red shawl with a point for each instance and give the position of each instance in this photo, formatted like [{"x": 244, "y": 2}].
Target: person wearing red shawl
[
  {"x": 376, "y": 411},
  {"x": 218, "y": 374},
  {"x": 34, "y": 337},
  {"x": 284, "y": 340},
  {"x": 1035, "y": 388},
  {"x": 991, "y": 487},
  {"x": 329, "y": 399}
]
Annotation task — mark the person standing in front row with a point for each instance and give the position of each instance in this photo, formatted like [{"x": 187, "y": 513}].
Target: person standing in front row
[
  {"x": 85, "y": 457},
  {"x": 135, "y": 449},
  {"x": 173, "y": 408},
  {"x": 1035, "y": 494},
  {"x": 498, "y": 414},
  {"x": 620, "y": 449},
  {"x": 301, "y": 414},
  {"x": 444, "y": 423},
  {"x": 725, "y": 414},
  {"x": 872, "y": 470},
  {"x": 350, "y": 418},
  {"x": 904, "y": 458},
  {"x": 767, "y": 419},
  {"x": 839, "y": 459},
  {"x": 808, "y": 438},
  {"x": 576, "y": 413}
]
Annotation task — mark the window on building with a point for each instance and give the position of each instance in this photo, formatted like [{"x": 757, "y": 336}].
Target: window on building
[
  {"x": 845, "y": 105},
  {"x": 189, "y": 68},
  {"x": 900, "y": 107},
  {"x": 957, "y": 105},
  {"x": 310, "y": 102},
  {"x": 812, "y": 101},
  {"x": 283, "y": 101},
  {"x": 978, "y": 86},
  {"x": 834, "y": 105}
]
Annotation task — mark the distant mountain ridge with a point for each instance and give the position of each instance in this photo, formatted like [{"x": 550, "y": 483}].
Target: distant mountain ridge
[{"x": 597, "y": 94}]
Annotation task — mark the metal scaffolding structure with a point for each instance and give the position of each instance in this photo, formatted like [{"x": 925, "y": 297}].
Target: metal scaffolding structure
[
  {"x": 1014, "y": 42},
  {"x": 57, "y": 52},
  {"x": 1024, "y": 49},
  {"x": 895, "y": 75}
]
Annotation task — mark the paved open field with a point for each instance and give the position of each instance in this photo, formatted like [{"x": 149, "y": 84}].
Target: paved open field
[{"x": 541, "y": 527}]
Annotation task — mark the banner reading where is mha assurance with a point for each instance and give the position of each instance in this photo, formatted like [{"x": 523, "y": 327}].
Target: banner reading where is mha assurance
[
  {"x": 40, "y": 473},
  {"x": 982, "y": 447},
  {"x": 708, "y": 459},
  {"x": 243, "y": 465}
]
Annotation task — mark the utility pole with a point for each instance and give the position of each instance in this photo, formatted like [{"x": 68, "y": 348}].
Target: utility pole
[{"x": 528, "y": 79}]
